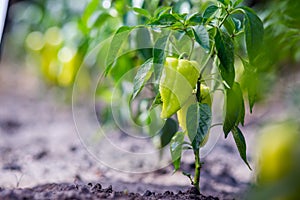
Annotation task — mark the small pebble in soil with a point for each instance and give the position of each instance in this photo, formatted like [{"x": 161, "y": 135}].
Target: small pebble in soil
[
  {"x": 85, "y": 190},
  {"x": 73, "y": 148},
  {"x": 47, "y": 195},
  {"x": 97, "y": 187},
  {"x": 77, "y": 178},
  {"x": 12, "y": 166},
  {"x": 193, "y": 190},
  {"x": 40, "y": 155},
  {"x": 168, "y": 193},
  {"x": 10, "y": 126},
  {"x": 108, "y": 190},
  {"x": 147, "y": 193}
]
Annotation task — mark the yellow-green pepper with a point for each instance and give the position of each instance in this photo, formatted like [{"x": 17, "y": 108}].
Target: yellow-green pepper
[{"x": 179, "y": 78}]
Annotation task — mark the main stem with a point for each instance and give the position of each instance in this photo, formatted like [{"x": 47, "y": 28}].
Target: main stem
[{"x": 196, "y": 181}]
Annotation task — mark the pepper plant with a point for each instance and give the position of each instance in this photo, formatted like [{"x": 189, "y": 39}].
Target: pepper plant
[{"x": 225, "y": 31}]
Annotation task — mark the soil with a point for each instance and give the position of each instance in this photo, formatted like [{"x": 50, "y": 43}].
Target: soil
[
  {"x": 93, "y": 191},
  {"x": 41, "y": 156}
]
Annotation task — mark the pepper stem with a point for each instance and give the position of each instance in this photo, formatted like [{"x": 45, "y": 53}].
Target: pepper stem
[{"x": 196, "y": 181}]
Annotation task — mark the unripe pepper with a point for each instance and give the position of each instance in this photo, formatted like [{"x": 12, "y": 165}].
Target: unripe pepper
[
  {"x": 181, "y": 114},
  {"x": 179, "y": 78},
  {"x": 205, "y": 95},
  {"x": 204, "y": 99}
]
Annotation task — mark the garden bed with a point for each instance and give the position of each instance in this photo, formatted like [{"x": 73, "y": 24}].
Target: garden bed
[{"x": 41, "y": 155}]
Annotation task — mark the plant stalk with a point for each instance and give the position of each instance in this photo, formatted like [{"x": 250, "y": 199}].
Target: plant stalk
[{"x": 196, "y": 181}]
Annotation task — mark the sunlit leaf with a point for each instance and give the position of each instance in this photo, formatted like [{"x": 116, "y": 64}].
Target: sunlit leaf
[
  {"x": 100, "y": 20},
  {"x": 161, "y": 10},
  {"x": 179, "y": 17},
  {"x": 159, "y": 56},
  {"x": 157, "y": 101},
  {"x": 118, "y": 40},
  {"x": 142, "y": 11},
  {"x": 241, "y": 144},
  {"x": 91, "y": 7},
  {"x": 141, "y": 77}
]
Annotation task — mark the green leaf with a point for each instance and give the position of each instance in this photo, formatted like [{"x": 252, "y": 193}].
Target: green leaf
[
  {"x": 192, "y": 121},
  {"x": 91, "y": 7},
  {"x": 141, "y": 77},
  {"x": 164, "y": 20},
  {"x": 241, "y": 144},
  {"x": 224, "y": 2},
  {"x": 142, "y": 11},
  {"x": 204, "y": 119},
  {"x": 176, "y": 149},
  {"x": 238, "y": 24},
  {"x": 157, "y": 101},
  {"x": 237, "y": 2},
  {"x": 234, "y": 108},
  {"x": 159, "y": 56},
  {"x": 229, "y": 25},
  {"x": 202, "y": 36},
  {"x": 179, "y": 17},
  {"x": 161, "y": 10},
  {"x": 252, "y": 90},
  {"x": 117, "y": 41},
  {"x": 189, "y": 33},
  {"x": 143, "y": 42},
  {"x": 254, "y": 32},
  {"x": 225, "y": 48},
  {"x": 98, "y": 19},
  {"x": 167, "y": 132},
  {"x": 250, "y": 80},
  {"x": 198, "y": 121},
  {"x": 204, "y": 124},
  {"x": 209, "y": 11},
  {"x": 195, "y": 18},
  {"x": 188, "y": 175},
  {"x": 241, "y": 103}
]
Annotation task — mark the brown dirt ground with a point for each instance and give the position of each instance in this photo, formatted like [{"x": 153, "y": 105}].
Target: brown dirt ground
[{"x": 41, "y": 155}]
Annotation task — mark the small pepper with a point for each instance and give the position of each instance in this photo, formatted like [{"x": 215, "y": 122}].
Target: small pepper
[{"x": 179, "y": 78}]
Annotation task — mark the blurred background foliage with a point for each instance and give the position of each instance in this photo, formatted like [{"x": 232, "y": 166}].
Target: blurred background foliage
[{"x": 55, "y": 36}]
